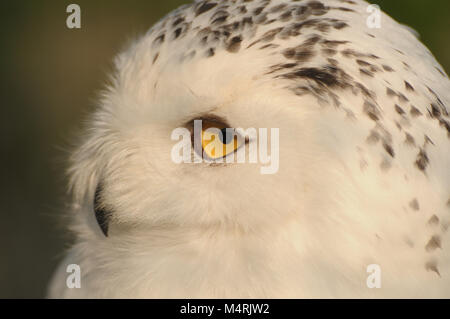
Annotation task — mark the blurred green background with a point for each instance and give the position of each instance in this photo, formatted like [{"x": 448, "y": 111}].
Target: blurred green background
[{"x": 50, "y": 77}]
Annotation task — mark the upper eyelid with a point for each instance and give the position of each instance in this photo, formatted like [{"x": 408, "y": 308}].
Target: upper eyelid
[
  {"x": 208, "y": 118},
  {"x": 212, "y": 118},
  {"x": 205, "y": 117}
]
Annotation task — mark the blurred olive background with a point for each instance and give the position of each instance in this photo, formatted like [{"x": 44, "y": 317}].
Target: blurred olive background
[{"x": 50, "y": 77}]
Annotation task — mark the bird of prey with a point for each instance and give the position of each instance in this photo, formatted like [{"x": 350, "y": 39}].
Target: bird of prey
[{"x": 363, "y": 180}]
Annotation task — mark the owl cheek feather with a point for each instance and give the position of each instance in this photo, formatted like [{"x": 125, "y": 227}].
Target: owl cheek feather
[{"x": 102, "y": 215}]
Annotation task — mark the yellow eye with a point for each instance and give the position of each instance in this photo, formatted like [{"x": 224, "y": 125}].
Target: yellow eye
[{"x": 217, "y": 141}]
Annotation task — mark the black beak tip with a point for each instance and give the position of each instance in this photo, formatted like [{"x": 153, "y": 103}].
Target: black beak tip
[{"x": 101, "y": 214}]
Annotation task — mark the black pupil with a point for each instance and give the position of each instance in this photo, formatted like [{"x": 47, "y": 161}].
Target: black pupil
[{"x": 227, "y": 136}]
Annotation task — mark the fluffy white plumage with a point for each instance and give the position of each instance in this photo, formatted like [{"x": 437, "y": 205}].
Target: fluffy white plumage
[{"x": 364, "y": 160}]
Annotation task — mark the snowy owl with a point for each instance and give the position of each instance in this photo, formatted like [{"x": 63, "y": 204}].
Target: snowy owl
[{"x": 364, "y": 160}]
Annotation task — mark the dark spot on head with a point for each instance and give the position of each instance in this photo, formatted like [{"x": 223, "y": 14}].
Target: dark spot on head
[
  {"x": 270, "y": 21},
  {"x": 277, "y": 8},
  {"x": 446, "y": 125},
  {"x": 288, "y": 65},
  {"x": 178, "y": 21},
  {"x": 387, "y": 68},
  {"x": 258, "y": 10},
  {"x": 204, "y": 7},
  {"x": 408, "y": 86},
  {"x": 340, "y": 25},
  {"x": 301, "y": 54},
  {"x": 316, "y": 5},
  {"x": 329, "y": 52},
  {"x": 235, "y": 44},
  {"x": 422, "y": 160},
  {"x": 414, "y": 204},
  {"x": 270, "y": 45},
  {"x": 432, "y": 266},
  {"x": 428, "y": 140},
  {"x": 390, "y": 92},
  {"x": 389, "y": 149},
  {"x": 177, "y": 33},
  {"x": 155, "y": 58},
  {"x": 333, "y": 62},
  {"x": 247, "y": 21},
  {"x": 441, "y": 72},
  {"x": 372, "y": 111},
  {"x": 349, "y": 2},
  {"x": 333, "y": 43},
  {"x": 211, "y": 52},
  {"x": 434, "y": 243},
  {"x": 410, "y": 139},
  {"x": 399, "y": 110},
  {"x": 415, "y": 111},
  {"x": 286, "y": 16},
  {"x": 363, "y": 63},
  {"x": 280, "y": 67},
  {"x": 366, "y": 72},
  {"x": 433, "y": 221},
  {"x": 270, "y": 35},
  {"x": 365, "y": 91},
  {"x": 320, "y": 76},
  {"x": 219, "y": 20},
  {"x": 159, "y": 40},
  {"x": 435, "y": 111},
  {"x": 261, "y": 18},
  {"x": 402, "y": 98},
  {"x": 374, "y": 137},
  {"x": 349, "y": 10},
  {"x": 439, "y": 101},
  {"x": 311, "y": 41}
]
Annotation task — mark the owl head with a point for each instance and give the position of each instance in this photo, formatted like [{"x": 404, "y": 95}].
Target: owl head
[
  {"x": 289, "y": 136},
  {"x": 229, "y": 66}
]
